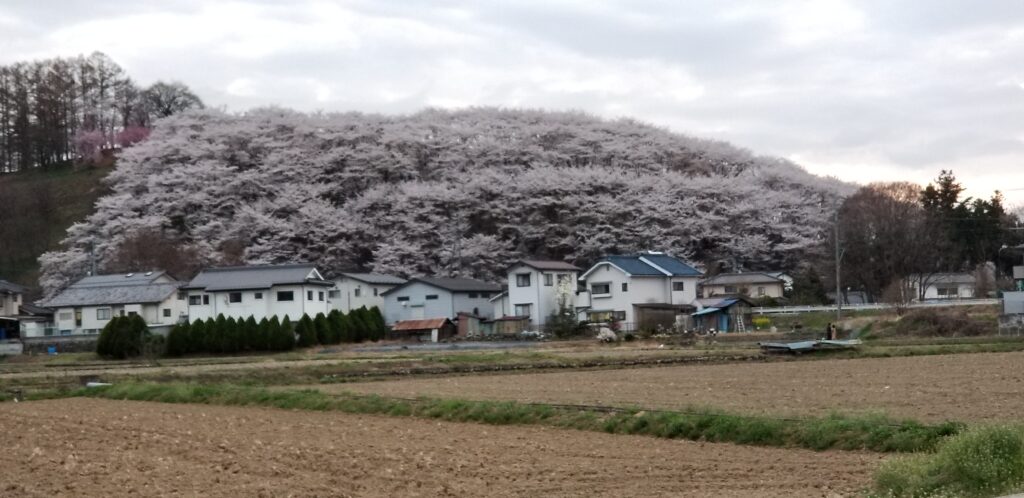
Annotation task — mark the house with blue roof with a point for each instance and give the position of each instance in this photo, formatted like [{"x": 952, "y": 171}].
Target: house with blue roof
[{"x": 640, "y": 291}]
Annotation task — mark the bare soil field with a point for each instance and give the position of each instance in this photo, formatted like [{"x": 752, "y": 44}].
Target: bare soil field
[
  {"x": 964, "y": 387},
  {"x": 88, "y": 447}
]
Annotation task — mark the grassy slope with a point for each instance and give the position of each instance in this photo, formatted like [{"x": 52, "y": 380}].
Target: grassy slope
[{"x": 74, "y": 193}]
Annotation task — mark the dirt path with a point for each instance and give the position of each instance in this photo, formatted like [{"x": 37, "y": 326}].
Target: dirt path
[
  {"x": 968, "y": 387},
  {"x": 86, "y": 447}
]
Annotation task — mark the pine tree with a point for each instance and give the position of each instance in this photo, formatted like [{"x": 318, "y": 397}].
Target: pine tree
[
  {"x": 263, "y": 336},
  {"x": 211, "y": 341},
  {"x": 178, "y": 340},
  {"x": 285, "y": 335},
  {"x": 380, "y": 327},
  {"x": 250, "y": 335}
]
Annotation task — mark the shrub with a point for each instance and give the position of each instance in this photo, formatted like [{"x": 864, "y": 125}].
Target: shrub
[
  {"x": 284, "y": 334},
  {"x": 348, "y": 333},
  {"x": 197, "y": 337},
  {"x": 306, "y": 332},
  {"x": 123, "y": 337},
  {"x": 178, "y": 340},
  {"x": 377, "y": 324},
  {"x": 334, "y": 322},
  {"x": 984, "y": 461},
  {"x": 322, "y": 329},
  {"x": 928, "y": 322},
  {"x": 251, "y": 336},
  {"x": 761, "y": 322}
]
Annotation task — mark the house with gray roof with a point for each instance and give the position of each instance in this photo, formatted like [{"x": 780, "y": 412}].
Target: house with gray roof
[
  {"x": 431, "y": 297},
  {"x": 12, "y": 297},
  {"x": 640, "y": 291},
  {"x": 259, "y": 291},
  {"x": 944, "y": 285},
  {"x": 86, "y": 306},
  {"x": 536, "y": 289},
  {"x": 355, "y": 290},
  {"x": 753, "y": 284}
]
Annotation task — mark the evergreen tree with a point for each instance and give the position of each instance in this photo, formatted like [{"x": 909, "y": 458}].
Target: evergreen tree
[
  {"x": 379, "y": 326},
  {"x": 323, "y": 329},
  {"x": 345, "y": 326},
  {"x": 178, "y": 340},
  {"x": 285, "y": 335},
  {"x": 197, "y": 337},
  {"x": 104, "y": 345},
  {"x": 358, "y": 325},
  {"x": 251, "y": 335},
  {"x": 306, "y": 331},
  {"x": 232, "y": 335},
  {"x": 211, "y": 340}
]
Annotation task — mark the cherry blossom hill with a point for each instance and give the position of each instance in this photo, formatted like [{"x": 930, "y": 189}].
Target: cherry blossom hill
[{"x": 441, "y": 193}]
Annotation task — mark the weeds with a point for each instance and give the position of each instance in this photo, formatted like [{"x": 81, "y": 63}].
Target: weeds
[
  {"x": 874, "y": 433},
  {"x": 980, "y": 462}
]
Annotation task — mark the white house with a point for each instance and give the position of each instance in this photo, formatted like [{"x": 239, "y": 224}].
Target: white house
[
  {"x": 11, "y": 298},
  {"x": 262, "y": 291},
  {"x": 642, "y": 290},
  {"x": 752, "y": 284},
  {"x": 425, "y": 298},
  {"x": 86, "y": 306},
  {"x": 355, "y": 290},
  {"x": 536, "y": 288},
  {"x": 943, "y": 285}
]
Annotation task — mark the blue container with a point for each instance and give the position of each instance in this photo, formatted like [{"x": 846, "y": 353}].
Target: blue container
[{"x": 51, "y": 350}]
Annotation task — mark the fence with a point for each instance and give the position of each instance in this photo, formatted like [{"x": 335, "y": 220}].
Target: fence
[{"x": 777, "y": 310}]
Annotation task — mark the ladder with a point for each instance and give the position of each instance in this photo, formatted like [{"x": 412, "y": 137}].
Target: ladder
[{"x": 740, "y": 327}]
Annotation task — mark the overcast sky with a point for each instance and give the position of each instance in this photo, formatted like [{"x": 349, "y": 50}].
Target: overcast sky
[{"x": 869, "y": 90}]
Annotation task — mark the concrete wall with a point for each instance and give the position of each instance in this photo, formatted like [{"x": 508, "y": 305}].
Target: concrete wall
[
  {"x": 347, "y": 300},
  {"x": 542, "y": 298},
  {"x": 1013, "y": 303},
  {"x": 964, "y": 291},
  {"x": 266, "y": 307}
]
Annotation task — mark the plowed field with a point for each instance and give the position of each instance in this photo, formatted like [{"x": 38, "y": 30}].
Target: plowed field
[
  {"x": 85, "y": 447},
  {"x": 966, "y": 387}
]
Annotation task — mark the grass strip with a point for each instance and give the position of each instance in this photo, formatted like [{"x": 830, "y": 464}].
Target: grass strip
[{"x": 875, "y": 433}]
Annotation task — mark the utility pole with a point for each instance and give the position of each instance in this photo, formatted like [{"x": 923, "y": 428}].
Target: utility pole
[{"x": 839, "y": 294}]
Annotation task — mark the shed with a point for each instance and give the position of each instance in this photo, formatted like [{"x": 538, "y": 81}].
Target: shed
[
  {"x": 428, "y": 330},
  {"x": 723, "y": 314}
]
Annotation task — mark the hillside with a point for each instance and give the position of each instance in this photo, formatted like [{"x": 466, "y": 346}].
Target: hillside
[
  {"x": 460, "y": 192},
  {"x": 38, "y": 207}
]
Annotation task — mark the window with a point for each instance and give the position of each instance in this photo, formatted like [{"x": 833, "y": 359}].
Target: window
[
  {"x": 195, "y": 300},
  {"x": 947, "y": 291},
  {"x": 320, "y": 296},
  {"x": 562, "y": 278},
  {"x": 606, "y": 316},
  {"x": 334, "y": 294},
  {"x": 678, "y": 286},
  {"x": 357, "y": 292},
  {"x": 182, "y": 296},
  {"x": 431, "y": 297},
  {"x": 473, "y": 295},
  {"x": 375, "y": 292},
  {"x": 234, "y": 297},
  {"x": 78, "y": 318},
  {"x": 522, "y": 310},
  {"x": 285, "y": 296},
  {"x": 599, "y": 289},
  {"x": 522, "y": 280},
  {"x": 760, "y": 291},
  {"x": 730, "y": 289},
  {"x": 167, "y": 312},
  {"x": 485, "y": 295},
  {"x": 259, "y": 295},
  {"x": 206, "y": 299},
  {"x": 132, "y": 313},
  {"x": 309, "y": 295},
  {"x": 549, "y": 280},
  {"x": 625, "y": 287},
  {"x": 402, "y": 299},
  {"x": 103, "y": 313}
]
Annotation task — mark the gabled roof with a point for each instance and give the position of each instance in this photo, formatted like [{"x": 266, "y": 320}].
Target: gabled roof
[
  {"x": 450, "y": 284},
  {"x": 428, "y": 324},
  {"x": 375, "y": 278},
  {"x": 648, "y": 265},
  {"x": 754, "y": 277},
  {"x": 722, "y": 302},
  {"x": 33, "y": 310},
  {"x": 236, "y": 278},
  {"x": 546, "y": 265},
  {"x": 130, "y": 288},
  {"x": 951, "y": 278},
  {"x": 12, "y": 288}
]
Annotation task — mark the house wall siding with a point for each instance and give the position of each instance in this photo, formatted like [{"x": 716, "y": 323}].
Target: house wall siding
[
  {"x": 151, "y": 313},
  {"x": 447, "y": 304},
  {"x": 641, "y": 290},
  {"x": 543, "y": 299},
  {"x": 348, "y": 301},
  {"x": 750, "y": 290},
  {"x": 259, "y": 309}
]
